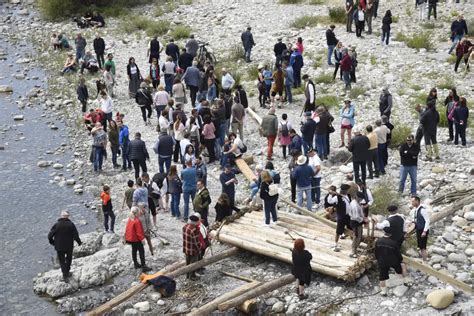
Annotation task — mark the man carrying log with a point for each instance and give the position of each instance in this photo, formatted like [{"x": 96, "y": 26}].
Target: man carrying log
[
  {"x": 342, "y": 202},
  {"x": 421, "y": 220},
  {"x": 191, "y": 244}
]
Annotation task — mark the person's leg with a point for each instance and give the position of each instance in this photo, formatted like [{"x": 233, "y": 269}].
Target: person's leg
[
  {"x": 412, "y": 170},
  {"x": 355, "y": 168},
  {"x": 266, "y": 207},
  {"x": 318, "y": 190},
  {"x": 328, "y": 145},
  {"x": 380, "y": 158},
  {"x": 283, "y": 149},
  {"x": 336, "y": 68},
  {"x": 349, "y": 135},
  {"x": 141, "y": 252},
  {"x": 313, "y": 189},
  {"x": 309, "y": 201},
  {"x": 241, "y": 131},
  {"x": 273, "y": 211},
  {"x": 462, "y": 134},
  {"x": 143, "y": 166},
  {"x": 134, "y": 253},
  {"x": 161, "y": 164},
  {"x": 388, "y": 37},
  {"x": 136, "y": 167},
  {"x": 330, "y": 51},
  {"x": 62, "y": 262},
  {"x": 457, "y": 129},
  {"x": 363, "y": 170},
  {"x": 186, "y": 196},
  {"x": 293, "y": 190},
  {"x": 342, "y": 137},
  {"x": 271, "y": 141},
  {"x": 68, "y": 260},
  {"x": 369, "y": 164},
  {"x": 96, "y": 158},
  {"x": 404, "y": 171},
  {"x": 289, "y": 93},
  {"x": 451, "y": 129},
  {"x": 143, "y": 109},
  {"x": 106, "y": 221},
  {"x": 299, "y": 196},
  {"x": 112, "y": 221},
  {"x": 458, "y": 61}
]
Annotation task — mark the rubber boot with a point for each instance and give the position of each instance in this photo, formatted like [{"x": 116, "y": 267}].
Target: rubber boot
[
  {"x": 429, "y": 152},
  {"x": 436, "y": 151}
]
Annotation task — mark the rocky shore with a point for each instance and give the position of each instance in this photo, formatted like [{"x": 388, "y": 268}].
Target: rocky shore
[{"x": 102, "y": 267}]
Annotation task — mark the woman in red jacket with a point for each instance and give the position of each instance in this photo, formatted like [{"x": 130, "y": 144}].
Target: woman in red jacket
[{"x": 134, "y": 236}]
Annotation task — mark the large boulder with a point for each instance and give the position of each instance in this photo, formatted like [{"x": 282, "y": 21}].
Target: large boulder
[
  {"x": 440, "y": 299},
  {"x": 339, "y": 155},
  {"x": 91, "y": 243}
]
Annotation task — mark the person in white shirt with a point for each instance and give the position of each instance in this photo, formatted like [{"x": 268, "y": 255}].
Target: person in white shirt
[
  {"x": 160, "y": 100},
  {"x": 368, "y": 199},
  {"x": 315, "y": 162},
  {"x": 421, "y": 219},
  {"x": 227, "y": 81},
  {"x": 163, "y": 121},
  {"x": 341, "y": 202},
  {"x": 169, "y": 71},
  {"x": 357, "y": 219},
  {"x": 107, "y": 106},
  {"x": 382, "y": 131}
]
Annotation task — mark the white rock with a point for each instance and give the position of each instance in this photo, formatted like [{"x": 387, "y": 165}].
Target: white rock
[
  {"x": 432, "y": 279},
  {"x": 23, "y": 61},
  {"x": 5, "y": 88},
  {"x": 278, "y": 307},
  {"x": 469, "y": 216},
  {"x": 457, "y": 257},
  {"x": 161, "y": 302},
  {"x": 469, "y": 251},
  {"x": 130, "y": 311},
  {"x": 142, "y": 306},
  {"x": 400, "y": 290},
  {"x": 450, "y": 248},
  {"x": 363, "y": 281},
  {"x": 58, "y": 166},
  {"x": 449, "y": 237},
  {"x": 388, "y": 303},
  {"x": 70, "y": 181},
  {"x": 43, "y": 164},
  {"x": 345, "y": 169},
  {"x": 154, "y": 296},
  {"x": 439, "y": 251},
  {"x": 19, "y": 117}
]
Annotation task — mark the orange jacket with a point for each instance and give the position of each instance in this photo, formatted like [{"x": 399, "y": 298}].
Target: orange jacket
[{"x": 134, "y": 231}]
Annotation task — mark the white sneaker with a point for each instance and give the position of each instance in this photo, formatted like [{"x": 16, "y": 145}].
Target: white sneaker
[{"x": 383, "y": 291}]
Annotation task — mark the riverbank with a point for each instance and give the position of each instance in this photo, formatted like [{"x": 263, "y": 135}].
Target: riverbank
[{"x": 408, "y": 73}]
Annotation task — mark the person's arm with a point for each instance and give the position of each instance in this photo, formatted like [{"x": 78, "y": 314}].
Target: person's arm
[
  {"x": 75, "y": 235},
  {"x": 52, "y": 234},
  {"x": 332, "y": 199},
  {"x": 370, "y": 198},
  {"x": 382, "y": 225},
  {"x": 426, "y": 217}
]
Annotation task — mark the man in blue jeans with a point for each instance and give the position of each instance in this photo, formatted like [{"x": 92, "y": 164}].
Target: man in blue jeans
[
  {"x": 315, "y": 163},
  {"x": 331, "y": 41},
  {"x": 458, "y": 30},
  {"x": 409, "y": 160},
  {"x": 164, "y": 149},
  {"x": 303, "y": 174},
  {"x": 289, "y": 82},
  {"x": 307, "y": 132},
  {"x": 189, "y": 178}
]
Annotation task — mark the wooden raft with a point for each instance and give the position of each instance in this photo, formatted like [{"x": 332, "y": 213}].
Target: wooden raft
[{"x": 249, "y": 233}]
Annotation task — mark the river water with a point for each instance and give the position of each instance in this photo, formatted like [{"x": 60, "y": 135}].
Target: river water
[{"x": 29, "y": 204}]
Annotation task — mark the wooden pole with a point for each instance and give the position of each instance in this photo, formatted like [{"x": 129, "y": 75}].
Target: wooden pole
[
  {"x": 245, "y": 169},
  {"x": 259, "y": 290},
  {"x": 212, "y": 305},
  {"x": 179, "y": 269},
  {"x": 238, "y": 277},
  {"x": 254, "y": 115}
]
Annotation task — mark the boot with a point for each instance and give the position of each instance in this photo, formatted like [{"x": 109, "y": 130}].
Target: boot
[
  {"x": 429, "y": 152},
  {"x": 436, "y": 150}
]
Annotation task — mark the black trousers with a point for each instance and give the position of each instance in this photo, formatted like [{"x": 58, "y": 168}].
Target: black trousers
[
  {"x": 204, "y": 213},
  {"x": 419, "y": 135},
  {"x": 193, "y": 90},
  {"x": 100, "y": 59},
  {"x": 65, "y": 260},
  {"x": 138, "y": 247},
  {"x": 349, "y": 19},
  {"x": 293, "y": 190},
  {"x": 373, "y": 162},
  {"x": 137, "y": 163},
  {"x": 336, "y": 68},
  {"x": 110, "y": 215},
  {"x": 362, "y": 166},
  {"x": 359, "y": 28},
  {"x": 432, "y": 7},
  {"x": 458, "y": 61},
  {"x": 145, "y": 109},
  {"x": 210, "y": 144},
  {"x": 189, "y": 260},
  {"x": 177, "y": 152}
]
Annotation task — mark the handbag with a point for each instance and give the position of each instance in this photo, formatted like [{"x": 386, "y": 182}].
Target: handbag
[{"x": 331, "y": 128}]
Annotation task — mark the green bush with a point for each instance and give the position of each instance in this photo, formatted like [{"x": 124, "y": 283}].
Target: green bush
[
  {"x": 165, "y": 8},
  {"x": 328, "y": 101},
  {"x": 357, "y": 91},
  {"x": 181, "y": 31},
  {"x": 309, "y": 21},
  {"x": 384, "y": 194},
  {"x": 421, "y": 41},
  {"x": 443, "y": 118},
  {"x": 373, "y": 60},
  {"x": 156, "y": 28},
  {"x": 337, "y": 15},
  {"x": 399, "y": 134},
  {"x": 299, "y": 90},
  {"x": 428, "y": 25},
  {"x": 395, "y": 19},
  {"x": 400, "y": 37},
  {"x": 323, "y": 78},
  {"x": 236, "y": 52},
  {"x": 446, "y": 84},
  {"x": 316, "y": 2},
  {"x": 289, "y": 1},
  {"x": 57, "y": 9},
  {"x": 252, "y": 72}
]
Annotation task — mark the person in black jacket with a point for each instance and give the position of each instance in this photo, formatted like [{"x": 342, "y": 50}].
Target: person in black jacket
[
  {"x": 388, "y": 256},
  {"x": 99, "y": 49},
  {"x": 458, "y": 30},
  {"x": 429, "y": 123},
  {"x": 331, "y": 41},
  {"x": 144, "y": 100},
  {"x": 138, "y": 154},
  {"x": 386, "y": 21},
  {"x": 172, "y": 50},
  {"x": 359, "y": 147},
  {"x": 278, "y": 49},
  {"x": 409, "y": 152},
  {"x": 185, "y": 60},
  {"x": 301, "y": 268},
  {"x": 62, "y": 235},
  {"x": 269, "y": 201},
  {"x": 432, "y": 7},
  {"x": 308, "y": 129},
  {"x": 241, "y": 96},
  {"x": 82, "y": 94},
  {"x": 461, "y": 114}
]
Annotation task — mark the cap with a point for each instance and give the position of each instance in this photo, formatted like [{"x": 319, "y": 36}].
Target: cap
[{"x": 387, "y": 229}]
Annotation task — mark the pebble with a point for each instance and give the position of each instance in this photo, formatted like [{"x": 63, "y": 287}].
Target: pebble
[
  {"x": 5, "y": 89},
  {"x": 70, "y": 181},
  {"x": 457, "y": 257},
  {"x": 449, "y": 237},
  {"x": 469, "y": 216},
  {"x": 19, "y": 117},
  {"x": 58, "y": 166},
  {"x": 278, "y": 307},
  {"x": 432, "y": 279},
  {"x": 387, "y": 303},
  {"x": 142, "y": 306},
  {"x": 400, "y": 290}
]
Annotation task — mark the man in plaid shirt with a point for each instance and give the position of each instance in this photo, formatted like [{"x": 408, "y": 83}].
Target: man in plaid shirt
[{"x": 191, "y": 245}]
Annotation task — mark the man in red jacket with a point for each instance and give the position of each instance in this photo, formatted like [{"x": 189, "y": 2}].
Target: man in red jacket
[
  {"x": 134, "y": 235},
  {"x": 191, "y": 244},
  {"x": 346, "y": 65}
]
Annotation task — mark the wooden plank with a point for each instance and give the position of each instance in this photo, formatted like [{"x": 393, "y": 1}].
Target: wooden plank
[
  {"x": 245, "y": 169},
  {"x": 259, "y": 290},
  {"x": 440, "y": 275}
]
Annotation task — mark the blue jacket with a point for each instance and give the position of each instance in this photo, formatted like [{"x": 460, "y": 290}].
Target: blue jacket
[
  {"x": 303, "y": 175},
  {"x": 308, "y": 129},
  {"x": 211, "y": 93},
  {"x": 296, "y": 60},
  {"x": 267, "y": 73},
  {"x": 349, "y": 115},
  {"x": 192, "y": 76},
  {"x": 123, "y": 135},
  {"x": 189, "y": 178},
  {"x": 296, "y": 143},
  {"x": 140, "y": 195},
  {"x": 289, "y": 80}
]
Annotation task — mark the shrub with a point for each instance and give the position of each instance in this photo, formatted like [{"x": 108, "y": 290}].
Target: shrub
[
  {"x": 252, "y": 72},
  {"x": 299, "y": 90},
  {"x": 165, "y": 8},
  {"x": 337, "y": 15},
  {"x": 157, "y": 28},
  {"x": 447, "y": 83},
  {"x": 181, "y": 31},
  {"x": 395, "y": 19},
  {"x": 373, "y": 60},
  {"x": 384, "y": 195},
  {"x": 135, "y": 23},
  {"x": 421, "y": 41},
  {"x": 236, "y": 52},
  {"x": 316, "y": 2},
  {"x": 400, "y": 37},
  {"x": 309, "y": 21},
  {"x": 323, "y": 78},
  {"x": 451, "y": 59},
  {"x": 357, "y": 91},
  {"x": 399, "y": 134},
  {"x": 289, "y": 1},
  {"x": 57, "y": 9},
  {"x": 428, "y": 25},
  {"x": 328, "y": 101},
  {"x": 443, "y": 118}
]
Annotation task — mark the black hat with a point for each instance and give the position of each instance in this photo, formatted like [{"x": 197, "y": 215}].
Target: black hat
[{"x": 387, "y": 230}]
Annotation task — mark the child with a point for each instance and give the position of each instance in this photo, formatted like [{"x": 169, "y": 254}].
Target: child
[
  {"x": 107, "y": 209},
  {"x": 189, "y": 155},
  {"x": 128, "y": 198}
]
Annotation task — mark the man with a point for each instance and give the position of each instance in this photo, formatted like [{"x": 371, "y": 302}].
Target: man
[
  {"x": 189, "y": 178},
  {"x": 269, "y": 129},
  {"x": 382, "y": 131},
  {"x": 359, "y": 147},
  {"x": 238, "y": 115},
  {"x": 62, "y": 235},
  {"x": 388, "y": 256},
  {"x": 322, "y": 119},
  {"x": 164, "y": 149},
  {"x": 172, "y": 50},
  {"x": 227, "y": 81},
  {"x": 458, "y": 30},
  {"x": 191, "y": 77},
  {"x": 432, "y": 7},
  {"x": 421, "y": 5},
  {"x": 359, "y": 17},
  {"x": 202, "y": 200},
  {"x": 80, "y": 46},
  {"x": 89, "y": 63},
  {"x": 296, "y": 62},
  {"x": 228, "y": 182},
  {"x": 429, "y": 120},
  {"x": 192, "y": 46},
  {"x": 289, "y": 82},
  {"x": 369, "y": 13},
  {"x": 342, "y": 202},
  {"x": 248, "y": 43},
  {"x": 201, "y": 169},
  {"x": 367, "y": 199},
  {"x": 124, "y": 142},
  {"x": 385, "y": 103},
  {"x": 421, "y": 220},
  {"x": 99, "y": 49},
  {"x": 307, "y": 132},
  {"x": 153, "y": 49},
  {"x": 346, "y": 66},
  {"x": 110, "y": 61},
  {"x": 390, "y": 127},
  {"x": 356, "y": 216},
  {"x": 241, "y": 95},
  {"x": 310, "y": 94},
  {"x": 315, "y": 163},
  {"x": 349, "y": 13},
  {"x": 303, "y": 174},
  {"x": 185, "y": 60},
  {"x": 278, "y": 50},
  {"x": 296, "y": 142},
  {"x": 138, "y": 154},
  {"x": 372, "y": 163},
  {"x": 99, "y": 143},
  {"x": 228, "y": 102},
  {"x": 397, "y": 224},
  {"x": 409, "y": 152},
  {"x": 191, "y": 245},
  {"x": 331, "y": 41}
]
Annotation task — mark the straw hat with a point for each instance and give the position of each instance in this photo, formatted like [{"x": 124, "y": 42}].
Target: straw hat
[{"x": 301, "y": 160}]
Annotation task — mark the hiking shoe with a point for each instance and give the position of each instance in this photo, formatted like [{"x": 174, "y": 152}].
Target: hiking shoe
[
  {"x": 145, "y": 268},
  {"x": 336, "y": 248},
  {"x": 137, "y": 266},
  {"x": 383, "y": 291},
  {"x": 343, "y": 236}
]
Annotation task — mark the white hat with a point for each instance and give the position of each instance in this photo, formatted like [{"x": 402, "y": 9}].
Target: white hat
[
  {"x": 357, "y": 129},
  {"x": 301, "y": 160},
  {"x": 65, "y": 213}
]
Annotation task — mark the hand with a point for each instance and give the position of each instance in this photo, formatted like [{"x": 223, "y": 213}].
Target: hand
[{"x": 423, "y": 234}]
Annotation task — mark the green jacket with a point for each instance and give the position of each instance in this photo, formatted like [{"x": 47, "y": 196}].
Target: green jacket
[
  {"x": 269, "y": 125},
  {"x": 202, "y": 200}
]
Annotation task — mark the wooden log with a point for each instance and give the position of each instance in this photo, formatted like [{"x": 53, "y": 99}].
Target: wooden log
[
  {"x": 245, "y": 169},
  {"x": 440, "y": 275},
  {"x": 238, "y": 277},
  {"x": 254, "y": 115},
  {"x": 182, "y": 269},
  {"x": 211, "y": 306},
  {"x": 259, "y": 290}
]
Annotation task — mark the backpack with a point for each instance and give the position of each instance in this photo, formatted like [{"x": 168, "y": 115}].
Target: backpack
[
  {"x": 158, "y": 178},
  {"x": 163, "y": 284},
  {"x": 273, "y": 189},
  {"x": 284, "y": 129},
  {"x": 243, "y": 149}
]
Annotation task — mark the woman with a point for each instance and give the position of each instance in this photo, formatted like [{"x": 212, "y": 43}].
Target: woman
[
  {"x": 463, "y": 49},
  {"x": 209, "y": 137},
  {"x": 255, "y": 184},
  {"x": 223, "y": 207},
  {"x": 114, "y": 142},
  {"x": 194, "y": 134},
  {"x": 179, "y": 91},
  {"x": 299, "y": 45},
  {"x": 134, "y": 77},
  {"x": 261, "y": 86},
  {"x": 175, "y": 189},
  {"x": 154, "y": 73},
  {"x": 82, "y": 94},
  {"x": 301, "y": 268},
  {"x": 178, "y": 129},
  {"x": 432, "y": 97},
  {"x": 269, "y": 201},
  {"x": 169, "y": 71},
  {"x": 292, "y": 165},
  {"x": 461, "y": 115},
  {"x": 284, "y": 137},
  {"x": 449, "y": 103},
  {"x": 347, "y": 121},
  {"x": 386, "y": 21},
  {"x": 338, "y": 58},
  {"x": 70, "y": 64},
  {"x": 108, "y": 79},
  {"x": 211, "y": 90},
  {"x": 160, "y": 100},
  {"x": 134, "y": 236}
]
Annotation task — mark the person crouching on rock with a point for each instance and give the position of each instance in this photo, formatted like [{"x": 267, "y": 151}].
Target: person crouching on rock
[
  {"x": 301, "y": 269},
  {"x": 135, "y": 236}
]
